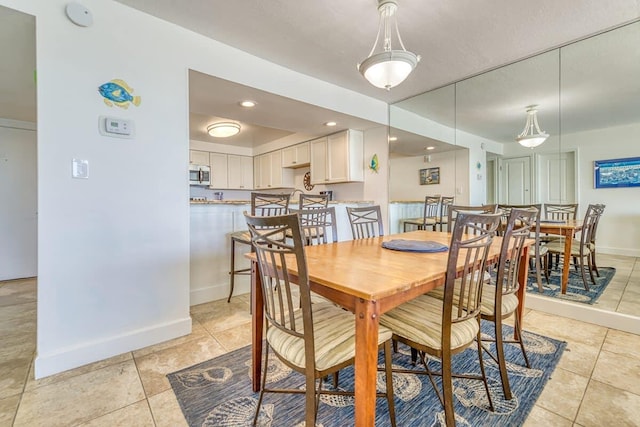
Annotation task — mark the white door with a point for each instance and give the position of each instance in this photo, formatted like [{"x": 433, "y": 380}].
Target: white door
[
  {"x": 557, "y": 177},
  {"x": 491, "y": 181},
  {"x": 515, "y": 176},
  {"x": 18, "y": 195}
]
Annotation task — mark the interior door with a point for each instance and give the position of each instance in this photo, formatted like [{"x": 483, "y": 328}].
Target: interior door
[
  {"x": 557, "y": 177},
  {"x": 515, "y": 174},
  {"x": 19, "y": 195}
]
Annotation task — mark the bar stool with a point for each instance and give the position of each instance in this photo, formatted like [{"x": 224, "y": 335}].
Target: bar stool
[{"x": 262, "y": 204}]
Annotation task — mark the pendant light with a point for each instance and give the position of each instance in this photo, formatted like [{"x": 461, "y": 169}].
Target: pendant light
[
  {"x": 388, "y": 67},
  {"x": 531, "y": 136}
]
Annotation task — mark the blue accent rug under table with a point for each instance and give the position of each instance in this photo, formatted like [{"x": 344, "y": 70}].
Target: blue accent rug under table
[
  {"x": 575, "y": 288},
  {"x": 218, "y": 392}
]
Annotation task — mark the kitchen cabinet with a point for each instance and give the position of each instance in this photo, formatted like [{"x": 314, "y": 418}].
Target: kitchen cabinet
[
  {"x": 337, "y": 158},
  {"x": 197, "y": 157},
  {"x": 296, "y": 156},
  {"x": 218, "y": 163},
  {"x": 268, "y": 172},
  {"x": 240, "y": 172}
]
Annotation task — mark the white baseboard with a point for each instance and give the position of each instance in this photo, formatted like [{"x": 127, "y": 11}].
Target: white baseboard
[
  {"x": 583, "y": 313},
  {"x": 619, "y": 251},
  {"x": 204, "y": 294},
  {"x": 89, "y": 352}
]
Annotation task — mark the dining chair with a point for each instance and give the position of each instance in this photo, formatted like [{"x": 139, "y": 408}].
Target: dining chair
[
  {"x": 262, "y": 204},
  {"x": 429, "y": 217},
  {"x": 538, "y": 255},
  {"x": 313, "y": 201},
  {"x": 445, "y": 203},
  {"x": 499, "y": 299},
  {"x": 581, "y": 248},
  {"x": 600, "y": 208},
  {"x": 318, "y": 225},
  {"x": 444, "y": 327},
  {"x": 365, "y": 222},
  {"x": 314, "y": 340},
  {"x": 455, "y": 210}
]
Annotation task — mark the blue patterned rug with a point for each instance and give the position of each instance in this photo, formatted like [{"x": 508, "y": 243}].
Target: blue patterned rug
[
  {"x": 218, "y": 392},
  {"x": 575, "y": 288}
]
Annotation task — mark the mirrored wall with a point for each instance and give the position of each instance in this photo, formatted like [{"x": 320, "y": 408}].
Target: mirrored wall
[{"x": 587, "y": 95}]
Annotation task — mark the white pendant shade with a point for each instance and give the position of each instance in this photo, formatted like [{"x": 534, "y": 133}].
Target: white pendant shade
[
  {"x": 531, "y": 136},
  {"x": 388, "y": 67}
]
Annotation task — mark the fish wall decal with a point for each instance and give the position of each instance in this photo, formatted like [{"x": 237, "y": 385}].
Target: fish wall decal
[{"x": 117, "y": 92}]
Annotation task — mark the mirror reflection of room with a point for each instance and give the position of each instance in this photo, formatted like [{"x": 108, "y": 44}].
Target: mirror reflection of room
[{"x": 587, "y": 99}]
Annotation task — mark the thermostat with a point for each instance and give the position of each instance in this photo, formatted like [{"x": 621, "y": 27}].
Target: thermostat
[{"x": 112, "y": 126}]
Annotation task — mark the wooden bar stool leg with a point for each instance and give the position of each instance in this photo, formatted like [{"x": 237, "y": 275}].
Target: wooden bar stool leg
[{"x": 232, "y": 269}]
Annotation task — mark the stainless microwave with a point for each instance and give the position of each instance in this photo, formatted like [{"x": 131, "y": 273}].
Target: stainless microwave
[{"x": 199, "y": 175}]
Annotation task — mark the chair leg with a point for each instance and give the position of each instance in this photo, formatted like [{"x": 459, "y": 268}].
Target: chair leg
[
  {"x": 502, "y": 364},
  {"x": 518, "y": 329},
  {"x": 264, "y": 382},
  {"x": 389, "y": 381},
  {"x": 593, "y": 263},
  {"x": 593, "y": 279},
  {"x": 584, "y": 277},
  {"x": 311, "y": 398},
  {"x": 232, "y": 272},
  {"x": 447, "y": 388},
  {"x": 484, "y": 374}
]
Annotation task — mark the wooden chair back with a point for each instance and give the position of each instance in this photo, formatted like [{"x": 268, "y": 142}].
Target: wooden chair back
[
  {"x": 560, "y": 212},
  {"x": 455, "y": 210},
  {"x": 463, "y": 289},
  {"x": 266, "y": 204},
  {"x": 274, "y": 254},
  {"x": 445, "y": 204},
  {"x": 313, "y": 201},
  {"x": 318, "y": 225},
  {"x": 365, "y": 222},
  {"x": 517, "y": 230}
]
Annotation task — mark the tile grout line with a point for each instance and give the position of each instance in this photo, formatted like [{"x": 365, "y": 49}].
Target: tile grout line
[{"x": 591, "y": 375}]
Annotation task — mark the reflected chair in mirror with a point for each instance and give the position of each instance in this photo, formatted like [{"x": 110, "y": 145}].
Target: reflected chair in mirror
[
  {"x": 581, "y": 248},
  {"x": 600, "y": 208},
  {"x": 455, "y": 210},
  {"x": 558, "y": 212},
  {"x": 444, "y": 327},
  {"x": 499, "y": 299},
  {"x": 262, "y": 204},
  {"x": 314, "y": 340},
  {"x": 429, "y": 217},
  {"x": 445, "y": 203},
  {"x": 365, "y": 222},
  {"x": 538, "y": 254}
]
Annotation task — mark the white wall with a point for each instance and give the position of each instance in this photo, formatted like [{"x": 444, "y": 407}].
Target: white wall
[
  {"x": 113, "y": 256},
  {"x": 18, "y": 193},
  {"x": 405, "y": 176}
]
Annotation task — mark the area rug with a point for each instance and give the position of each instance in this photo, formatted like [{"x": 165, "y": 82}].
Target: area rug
[
  {"x": 575, "y": 288},
  {"x": 218, "y": 392}
]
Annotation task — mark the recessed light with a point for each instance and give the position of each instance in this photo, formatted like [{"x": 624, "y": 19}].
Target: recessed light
[
  {"x": 330, "y": 124},
  {"x": 248, "y": 104},
  {"x": 430, "y": 148},
  {"x": 393, "y": 138}
]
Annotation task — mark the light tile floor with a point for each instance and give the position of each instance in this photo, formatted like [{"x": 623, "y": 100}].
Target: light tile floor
[{"x": 596, "y": 382}]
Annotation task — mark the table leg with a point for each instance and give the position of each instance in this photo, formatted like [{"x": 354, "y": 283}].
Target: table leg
[
  {"x": 523, "y": 275},
  {"x": 366, "y": 364},
  {"x": 568, "y": 239},
  {"x": 257, "y": 319}
]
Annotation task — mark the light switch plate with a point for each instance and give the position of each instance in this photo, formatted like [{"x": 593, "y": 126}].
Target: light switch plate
[{"x": 80, "y": 169}]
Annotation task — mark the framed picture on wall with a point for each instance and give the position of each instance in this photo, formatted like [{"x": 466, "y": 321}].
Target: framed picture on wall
[
  {"x": 615, "y": 173},
  {"x": 429, "y": 176}
]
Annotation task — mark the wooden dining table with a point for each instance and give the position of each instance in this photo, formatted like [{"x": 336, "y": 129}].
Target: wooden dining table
[
  {"x": 368, "y": 280},
  {"x": 567, "y": 229}
]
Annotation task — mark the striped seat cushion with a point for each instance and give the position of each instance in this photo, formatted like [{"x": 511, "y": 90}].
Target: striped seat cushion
[
  {"x": 334, "y": 333},
  {"x": 557, "y": 246},
  {"x": 427, "y": 221},
  {"x": 420, "y": 320},
  {"x": 509, "y": 302}
]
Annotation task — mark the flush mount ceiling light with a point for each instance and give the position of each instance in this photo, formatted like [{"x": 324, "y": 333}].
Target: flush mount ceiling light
[
  {"x": 531, "y": 136},
  {"x": 248, "y": 104},
  {"x": 388, "y": 67},
  {"x": 330, "y": 124},
  {"x": 223, "y": 129}
]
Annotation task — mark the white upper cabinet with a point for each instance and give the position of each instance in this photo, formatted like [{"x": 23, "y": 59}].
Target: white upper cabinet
[
  {"x": 240, "y": 172},
  {"x": 296, "y": 156},
  {"x": 197, "y": 157},
  {"x": 269, "y": 173},
  {"x": 218, "y": 163},
  {"x": 338, "y": 158}
]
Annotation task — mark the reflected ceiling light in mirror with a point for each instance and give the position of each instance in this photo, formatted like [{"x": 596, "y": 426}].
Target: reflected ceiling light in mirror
[
  {"x": 388, "y": 67},
  {"x": 531, "y": 136},
  {"x": 223, "y": 129},
  {"x": 248, "y": 104},
  {"x": 393, "y": 138},
  {"x": 330, "y": 124},
  {"x": 429, "y": 148}
]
